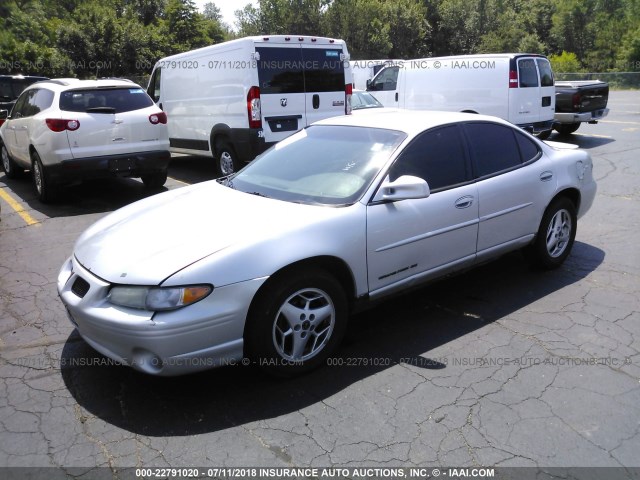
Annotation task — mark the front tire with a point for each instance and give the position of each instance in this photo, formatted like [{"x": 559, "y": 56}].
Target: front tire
[
  {"x": 297, "y": 322},
  {"x": 11, "y": 170},
  {"x": 555, "y": 236},
  {"x": 227, "y": 159},
  {"x": 566, "y": 128},
  {"x": 45, "y": 189}
]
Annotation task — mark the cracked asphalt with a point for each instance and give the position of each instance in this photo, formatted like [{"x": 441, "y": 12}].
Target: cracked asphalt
[{"x": 500, "y": 366}]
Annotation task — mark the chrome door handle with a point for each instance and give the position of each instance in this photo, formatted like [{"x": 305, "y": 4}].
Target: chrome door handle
[
  {"x": 546, "y": 176},
  {"x": 464, "y": 202}
]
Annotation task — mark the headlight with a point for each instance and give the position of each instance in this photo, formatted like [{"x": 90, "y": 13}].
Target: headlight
[{"x": 158, "y": 298}]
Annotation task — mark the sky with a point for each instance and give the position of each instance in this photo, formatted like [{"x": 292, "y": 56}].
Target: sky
[{"x": 227, "y": 7}]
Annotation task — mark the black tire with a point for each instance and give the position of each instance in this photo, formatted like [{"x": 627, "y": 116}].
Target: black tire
[
  {"x": 555, "y": 236},
  {"x": 45, "y": 189},
  {"x": 544, "y": 134},
  {"x": 11, "y": 169},
  {"x": 154, "y": 180},
  {"x": 291, "y": 346},
  {"x": 227, "y": 161},
  {"x": 566, "y": 128}
]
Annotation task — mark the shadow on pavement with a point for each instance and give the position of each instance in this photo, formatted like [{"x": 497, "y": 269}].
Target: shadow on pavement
[{"x": 406, "y": 327}]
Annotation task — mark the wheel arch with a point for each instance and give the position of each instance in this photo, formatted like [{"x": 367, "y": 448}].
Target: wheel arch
[
  {"x": 571, "y": 193},
  {"x": 469, "y": 111},
  {"x": 219, "y": 131},
  {"x": 330, "y": 264}
]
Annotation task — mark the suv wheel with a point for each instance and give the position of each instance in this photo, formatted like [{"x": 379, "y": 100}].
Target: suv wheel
[
  {"x": 44, "y": 186},
  {"x": 154, "y": 180},
  {"x": 11, "y": 170}
]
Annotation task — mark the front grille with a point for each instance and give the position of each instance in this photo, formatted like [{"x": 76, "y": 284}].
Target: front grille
[{"x": 80, "y": 287}]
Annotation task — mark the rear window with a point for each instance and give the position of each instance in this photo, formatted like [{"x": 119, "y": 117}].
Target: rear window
[
  {"x": 546, "y": 74},
  {"x": 528, "y": 73},
  {"x": 299, "y": 70},
  {"x": 105, "y": 100}
]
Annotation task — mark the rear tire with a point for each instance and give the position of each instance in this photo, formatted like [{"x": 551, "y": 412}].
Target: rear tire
[
  {"x": 297, "y": 322},
  {"x": 45, "y": 190},
  {"x": 154, "y": 180},
  {"x": 11, "y": 169},
  {"x": 566, "y": 128},
  {"x": 555, "y": 236},
  {"x": 226, "y": 158}
]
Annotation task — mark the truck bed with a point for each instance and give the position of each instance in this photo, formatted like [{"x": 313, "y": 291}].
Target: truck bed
[{"x": 581, "y": 96}]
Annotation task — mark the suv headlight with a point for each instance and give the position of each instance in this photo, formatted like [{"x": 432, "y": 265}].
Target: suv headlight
[{"x": 158, "y": 298}]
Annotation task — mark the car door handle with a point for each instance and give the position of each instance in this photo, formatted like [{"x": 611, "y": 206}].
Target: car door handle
[
  {"x": 396, "y": 96},
  {"x": 464, "y": 202},
  {"x": 546, "y": 176},
  {"x": 316, "y": 101}
]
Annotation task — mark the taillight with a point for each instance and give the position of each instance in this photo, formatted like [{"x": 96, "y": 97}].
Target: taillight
[
  {"x": 513, "y": 79},
  {"x": 348, "y": 91},
  {"x": 2, "y": 120},
  {"x": 253, "y": 108},
  {"x": 576, "y": 99},
  {"x": 60, "y": 125},
  {"x": 157, "y": 118}
]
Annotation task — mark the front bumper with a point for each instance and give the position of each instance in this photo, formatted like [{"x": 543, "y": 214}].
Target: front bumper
[
  {"x": 198, "y": 337},
  {"x": 123, "y": 165},
  {"x": 581, "y": 117}
]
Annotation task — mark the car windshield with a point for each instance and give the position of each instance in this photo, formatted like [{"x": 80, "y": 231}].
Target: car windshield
[
  {"x": 105, "y": 100},
  {"x": 322, "y": 164},
  {"x": 360, "y": 100}
]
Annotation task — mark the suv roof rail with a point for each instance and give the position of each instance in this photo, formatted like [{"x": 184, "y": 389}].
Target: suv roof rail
[
  {"x": 116, "y": 78},
  {"x": 62, "y": 81}
]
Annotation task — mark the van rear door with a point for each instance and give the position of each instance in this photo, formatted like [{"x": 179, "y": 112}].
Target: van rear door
[
  {"x": 282, "y": 94},
  {"x": 324, "y": 82},
  {"x": 531, "y": 93},
  {"x": 547, "y": 90}
]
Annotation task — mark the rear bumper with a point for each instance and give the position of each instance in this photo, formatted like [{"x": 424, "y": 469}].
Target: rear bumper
[
  {"x": 124, "y": 165},
  {"x": 581, "y": 117}
]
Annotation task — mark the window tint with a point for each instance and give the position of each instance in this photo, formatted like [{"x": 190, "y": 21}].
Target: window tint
[
  {"x": 323, "y": 70},
  {"x": 105, "y": 100},
  {"x": 436, "y": 156},
  {"x": 528, "y": 148},
  {"x": 527, "y": 73},
  {"x": 386, "y": 80},
  {"x": 35, "y": 102},
  {"x": 280, "y": 70},
  {"x": 154, "y": 85},
  {"x": 546, "y": 75},
  {"x": 16, "y": 112},
  {"x": 493, "y": 147}
]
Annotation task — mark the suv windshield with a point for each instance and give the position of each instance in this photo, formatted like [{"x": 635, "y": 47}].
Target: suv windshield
[
  {"x": 105, "y": 100},
  {"x": 323, "y": 164}
]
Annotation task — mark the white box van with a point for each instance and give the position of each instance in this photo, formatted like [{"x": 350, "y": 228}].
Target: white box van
[
  {"x": 517, "y": 87},
  {"x": 235, "y": 99}
]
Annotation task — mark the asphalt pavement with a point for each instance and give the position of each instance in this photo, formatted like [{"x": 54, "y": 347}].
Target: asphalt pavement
[{"x": 501, "y": 366}]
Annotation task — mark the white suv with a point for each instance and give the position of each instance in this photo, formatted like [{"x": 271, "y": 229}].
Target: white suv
[{"x": 66, "y": 130}]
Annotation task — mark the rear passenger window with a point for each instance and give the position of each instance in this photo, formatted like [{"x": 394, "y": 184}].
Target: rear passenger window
[
  {"x": 546, "y": 74},
  {"x": 493, "y": 147},
  {"x": 323, "y": 70},
  {"x": 528, "y": 148},
  {"x": 527, "y": 73},
  {"x": 437, "y": 156}
]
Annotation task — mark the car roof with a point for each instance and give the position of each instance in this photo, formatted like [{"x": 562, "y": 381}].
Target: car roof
[
  {"x": 411, "y": 122},
  {"x": 62, "y": 84}
]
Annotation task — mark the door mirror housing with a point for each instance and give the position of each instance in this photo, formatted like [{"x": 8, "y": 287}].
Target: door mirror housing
[{"x": 403, "y": 188}]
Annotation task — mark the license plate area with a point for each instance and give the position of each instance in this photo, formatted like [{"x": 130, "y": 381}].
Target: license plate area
[{"x": 122, "y": 164}]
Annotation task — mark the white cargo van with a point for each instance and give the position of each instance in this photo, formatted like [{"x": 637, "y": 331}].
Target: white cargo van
[
  {"x": 517, "y": 87},
  {"x": 235, "y": 99}
]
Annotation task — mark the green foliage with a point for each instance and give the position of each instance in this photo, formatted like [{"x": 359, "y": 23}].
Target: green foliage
[{"x": 126, "y": 37}]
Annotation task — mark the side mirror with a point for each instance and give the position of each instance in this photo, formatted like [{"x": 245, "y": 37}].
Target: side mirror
[
  {"x": 403, "y": 188},
  {"x": 368, "y": 83}
]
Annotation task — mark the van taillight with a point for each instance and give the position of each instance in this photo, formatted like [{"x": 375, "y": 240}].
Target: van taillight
[
  {"x": 253, "y": 108},
  {"x": 348, "y": 91},
  {"x": 60, "y": 125},
  {"x": 513, "y": 79}
]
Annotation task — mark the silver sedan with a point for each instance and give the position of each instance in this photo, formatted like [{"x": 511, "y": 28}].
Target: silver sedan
[{"x": 266, "y": 265}]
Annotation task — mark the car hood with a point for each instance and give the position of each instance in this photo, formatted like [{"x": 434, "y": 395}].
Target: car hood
[{"x": 150, "y": 240}]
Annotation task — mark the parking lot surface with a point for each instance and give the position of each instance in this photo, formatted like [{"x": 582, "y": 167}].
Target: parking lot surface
[{"x": 500, "y": 366}]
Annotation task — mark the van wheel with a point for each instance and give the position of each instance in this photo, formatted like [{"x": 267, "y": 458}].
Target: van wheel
[
  {"x": 228, "y": 162},
  {"x": 567, "y": 128},
  {"x": 11, "y": 170},
  {"x": 544, "y": 134},
  {"x": 154, "y": 180},
  {"x": 44, "y": 187}
]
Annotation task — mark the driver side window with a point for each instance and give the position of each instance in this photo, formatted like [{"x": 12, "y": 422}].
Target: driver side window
[
  {"x": 386, "y": 80},
  {"x": 436, "y": 156}
]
